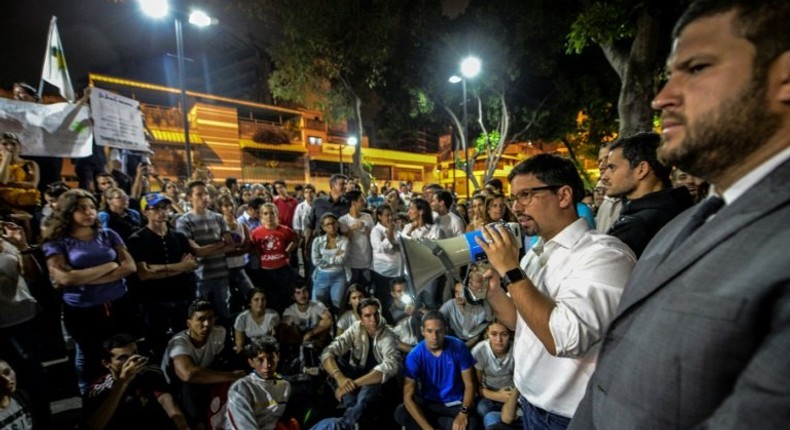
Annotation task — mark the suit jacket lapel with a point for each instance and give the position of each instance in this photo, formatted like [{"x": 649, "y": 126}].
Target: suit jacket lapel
[{"x": 664, "y": 264}]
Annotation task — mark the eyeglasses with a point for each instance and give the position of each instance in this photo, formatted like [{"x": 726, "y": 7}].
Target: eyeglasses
[{"x": 525, "y": 196}]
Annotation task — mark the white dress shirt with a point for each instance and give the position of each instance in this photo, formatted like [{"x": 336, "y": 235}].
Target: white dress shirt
[
  {"x": 387, "y": 260},
  {"x": 584, "y": 273}
]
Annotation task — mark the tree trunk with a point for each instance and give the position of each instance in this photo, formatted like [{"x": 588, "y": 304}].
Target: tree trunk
[
  {"x": 356, "y": 165},
  {"x": 636, "y": 67}
]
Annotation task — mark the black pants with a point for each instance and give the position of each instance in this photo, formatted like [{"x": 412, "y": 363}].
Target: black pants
[{"x": 437, "y": 414}]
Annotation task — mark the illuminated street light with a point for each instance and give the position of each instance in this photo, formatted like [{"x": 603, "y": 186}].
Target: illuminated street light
[
  {"x": 351, "y": 141},
  {"x": 470, "y": 67},
  {"x": 159, "y": 9}
]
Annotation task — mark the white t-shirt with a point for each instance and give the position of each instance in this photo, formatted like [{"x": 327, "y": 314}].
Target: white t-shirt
[
  {"x": 246, "y": 324},
  {"x": 306, "y": 320},
  {"x": 202, "y": 357},
  {"x": 359, "y": 250},
  {"x": 497, "y": 371},
  {"x": 467, "y": 321}
]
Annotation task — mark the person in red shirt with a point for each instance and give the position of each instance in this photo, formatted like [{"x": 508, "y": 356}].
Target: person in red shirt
[
  {"x": 286, "y": 204},
  {"x": 274, "y": 243}
]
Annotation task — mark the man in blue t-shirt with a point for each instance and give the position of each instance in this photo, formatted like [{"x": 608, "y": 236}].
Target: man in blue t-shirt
[{"x": 444, "y": 368}]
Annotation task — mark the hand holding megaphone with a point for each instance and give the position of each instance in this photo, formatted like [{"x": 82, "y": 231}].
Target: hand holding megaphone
[{"x": 498, "y": 244}]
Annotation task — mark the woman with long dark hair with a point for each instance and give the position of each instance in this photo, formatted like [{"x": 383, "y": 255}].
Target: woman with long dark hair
[
  {"x": 88, "y": 264},
  {"x": 421, "y": 227}
]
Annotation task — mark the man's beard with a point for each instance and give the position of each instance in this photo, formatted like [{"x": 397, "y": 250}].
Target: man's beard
[{"x": 721, "y": 139}]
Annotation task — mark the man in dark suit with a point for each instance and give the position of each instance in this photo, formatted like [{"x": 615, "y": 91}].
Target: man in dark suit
[{"x": 702, "y": 333}]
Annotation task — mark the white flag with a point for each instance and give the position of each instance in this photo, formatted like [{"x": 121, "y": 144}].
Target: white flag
[{"x": 55, "y": 71}]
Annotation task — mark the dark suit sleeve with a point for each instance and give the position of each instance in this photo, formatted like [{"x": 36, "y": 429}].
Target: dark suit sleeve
[{"x": 761, "y": 396}]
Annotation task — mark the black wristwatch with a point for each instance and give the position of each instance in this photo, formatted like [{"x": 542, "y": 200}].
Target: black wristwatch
[
  {"x": 464, "y": 410},
  {"x": 513, "y": 275}
]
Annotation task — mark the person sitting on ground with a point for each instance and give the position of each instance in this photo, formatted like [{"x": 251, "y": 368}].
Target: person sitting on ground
[
  {"x": 306, "y": 320},
  {"x": 133, "y": 395},
  {"x": 442, "y": 367},
  {"x": 371, "y": 350},
  {"x": 190, "y": 359},
  {"x": 257, "y": 321},
  {"x": 494, "y": 368},
  {"x": 348, "y": 310},
  {"x": 405, "y": 321},
  {"x": 258, "y": 400},
  {"x": 466, "y": 321},
  {"x": 14, "y": 406}
]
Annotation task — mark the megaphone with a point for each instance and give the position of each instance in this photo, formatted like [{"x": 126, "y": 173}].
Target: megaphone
[{"x": 426, "y": 260}]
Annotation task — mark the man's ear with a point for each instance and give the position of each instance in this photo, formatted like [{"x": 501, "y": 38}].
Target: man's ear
[
  {"x": 642, "y": 169},
  {"x": 782, "y": 67},
  {"x": 565, "y": 193}
]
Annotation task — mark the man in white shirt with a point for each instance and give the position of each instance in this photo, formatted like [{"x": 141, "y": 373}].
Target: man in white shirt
[
  {"x": 562, "y": 297},
  {"x": 357, "y": 225},
  {"x": 188, "y": 359},
  {"x": 451, "y": 224},
  {"x": 300, "y": 222}
]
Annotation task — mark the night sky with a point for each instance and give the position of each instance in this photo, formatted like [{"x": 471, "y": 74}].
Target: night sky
[
  {"x": 98, "y": 36},
  {"x": 102, "y": 36}
]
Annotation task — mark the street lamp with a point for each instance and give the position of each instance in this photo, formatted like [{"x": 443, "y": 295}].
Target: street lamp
[
  {"x": 159, "y": 9},
  {"x": 470, "y": 67},
  {"x": 351, "y": 141}
]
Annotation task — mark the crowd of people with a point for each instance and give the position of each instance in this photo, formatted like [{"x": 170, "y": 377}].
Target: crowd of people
[{"x": 243, "y": 306}]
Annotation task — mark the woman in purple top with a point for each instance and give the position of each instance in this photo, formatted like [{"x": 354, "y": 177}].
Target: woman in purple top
[{"x": 88, "y": 265}]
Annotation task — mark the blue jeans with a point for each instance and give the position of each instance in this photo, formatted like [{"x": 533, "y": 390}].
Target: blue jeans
[
  {"x": 536, "y": 418},
  {"x": 485, "y": 406},
  {"x": 329, "y": 284},
  {"x": 217, "y": 291}
]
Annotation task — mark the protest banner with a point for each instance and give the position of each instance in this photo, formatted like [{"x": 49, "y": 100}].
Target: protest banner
[
  {"x": 117, "y": 121},
  {"x": 54, "y": 130}
]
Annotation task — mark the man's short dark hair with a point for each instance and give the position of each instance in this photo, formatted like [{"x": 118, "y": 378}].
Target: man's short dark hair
[
  {"x": 762, "y": 22},
  {"x": 336, "y": 177},
  {"x": 115, "y": 341},
  {"x": 398, "y": 280},
  {"x": 446, "y": 197},
  {"x": 551, "y": 170},
  {"x": 298, "y": 284},
  {"x": 369, "y": 301},
  {"x": 642, "y": 147},
  {"x": 281, "y": 182},
  {"x": 261, "y": 345},
  {"x": 433, "y": 187},
  {"x": 256, "y": 202},
  {"x": 199, "y": 306},
  {"x": 56, "y": 189},
  {"x": 353, "y": 195},
  {"x": 298, "y": 187},
  {"x": 230, "y": 181},
  {"x": 496, "y": 183},
  {"x": 433, "y": 315},
  {"x": 194, "y": 184},
  {"x": 309, "y": 187}
]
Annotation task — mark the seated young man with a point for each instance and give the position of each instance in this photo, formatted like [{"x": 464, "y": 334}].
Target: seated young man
[
  {"x": 14, "y": 407},
  {"x": 405, "y": 316},
  {"x": 360, "y": 360},
  {"x": 133, "y": 394},
  {"x": 258, "y": 400},
  {"x": 466, "y": 321},
  {"x": 494, "y": 366},
  {"x": 442, "y": 366},
  {"x": 306, "y": 320},
  {"x": 189, "y": 358}
]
